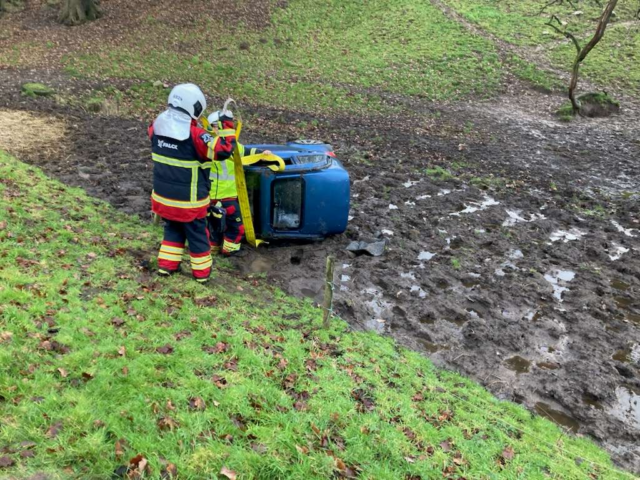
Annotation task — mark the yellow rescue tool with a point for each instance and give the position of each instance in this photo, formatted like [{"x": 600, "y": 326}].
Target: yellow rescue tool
[{"x": 241, "y": 185}]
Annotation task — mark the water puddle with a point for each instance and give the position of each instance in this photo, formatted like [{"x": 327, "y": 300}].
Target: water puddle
[
  {"x": 426, "y": 256},
  {"x": 432, "y": 347},
  {"x": 627, "y": 231},
  {"x": 619, "y": 285},
  {"x": 557, "y": 279},
  {"x": 515, "y": 254},
  {"x": 573, "y": 234},
  {"x": 473, "y": 314},
  {"x": 421, "y": 293},
  {"x": 592, "y": 402},
  {"x": 476, "y": 206},
  {"x": 627, "y": 406},
  {"x": 471, "y": 282},
  {"x": 514, "y": 216},
  {"x": 309, "y": 293},
  {"x": 557, "y": 416},
  {"x": 623, "y": 356},
  {"x": 628, "y": 355},
  {"x": 379, "y": 307},
  {"x": 533, "y": 315},
  {"x": 500, "y": 272},
  {"x": 518, "y": 364},
  {"x": 377, "y": 325},
  {"x": 548, "y": 365},
  {"x": 260, "y": 265},
  {"x": 616, "y": 252}
]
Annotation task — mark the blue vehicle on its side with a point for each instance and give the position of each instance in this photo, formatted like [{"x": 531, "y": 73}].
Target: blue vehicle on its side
[{"x": 309, "y": 200}]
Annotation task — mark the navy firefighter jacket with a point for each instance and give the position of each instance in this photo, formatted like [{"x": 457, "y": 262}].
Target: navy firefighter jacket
[{"x": 181, "y": 171}]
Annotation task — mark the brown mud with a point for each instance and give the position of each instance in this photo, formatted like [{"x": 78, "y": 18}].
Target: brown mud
[{"x": 521, "y": 269}]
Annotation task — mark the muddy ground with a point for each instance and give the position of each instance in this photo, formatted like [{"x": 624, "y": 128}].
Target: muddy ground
[{"x": 522, "y": 270}]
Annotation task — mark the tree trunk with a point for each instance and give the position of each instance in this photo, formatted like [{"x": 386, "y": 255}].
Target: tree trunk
[
  {"x": 583, "y": 52},
  {"x": 76, "y": 12}
]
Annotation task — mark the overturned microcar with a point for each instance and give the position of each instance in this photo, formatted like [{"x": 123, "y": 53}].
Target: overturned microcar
[{"x": 308, "y": 200}]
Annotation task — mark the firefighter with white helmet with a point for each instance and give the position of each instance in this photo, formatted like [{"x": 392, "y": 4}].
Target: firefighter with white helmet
[
  {"x": 182, "y": 161},
  {"x": 225, "y": 221}
]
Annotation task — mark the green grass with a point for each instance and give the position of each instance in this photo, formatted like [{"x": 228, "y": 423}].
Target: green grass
[
  {"x": 439, "y": 173},
  {"x": 102, "y": 361},
  {"x": 613, "y": 61},
  {"x": 315, "y": 56}
]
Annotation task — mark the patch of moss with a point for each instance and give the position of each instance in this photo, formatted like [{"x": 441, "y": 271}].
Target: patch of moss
[
  {"x": 565, "y": 113},
  {"x": 36, "y": 90}
]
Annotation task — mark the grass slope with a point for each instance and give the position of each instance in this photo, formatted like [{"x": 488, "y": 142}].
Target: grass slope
[
  {"x": 107, "y": 367},
  {"x": 333, "y": 55},
  {"x": 520, "y": 22}
]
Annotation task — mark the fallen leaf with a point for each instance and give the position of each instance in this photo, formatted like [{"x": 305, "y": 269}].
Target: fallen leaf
[
  {"x": 98, "y": 424},
  {"x": 165, "y": 349},
  {"x": 170, "y": 471},
  {"x": 196, "y": 403},
  {"x": 230, "y": 474},
  {"x": 219, "y": 347},
  {"x": 170, "y": 405},
  {"x": 5, "y": 336},
  {"x": 167, "y": 423},
  {"x": 6, "y": 462},
  {"x": 445, "y": 446},
  {"x": 232, "y": 364},
  {"x": 508, "y": 453},
  {"x": 182, "y": 334},
  {"x": 120, "y": 446},
  {"x": 117, "y": 322},
  {"x": 138, "y": 466},
  {"x": 303, "y": 450},
  {"x": 125, "y": 371},
  {"x": 27, "y": 454},
  {"x": 87, "y": 376},
  {"x": 219, "y": 381},
  {"x": 122, "y": 351},
  {"x": 54, "y": 430}
]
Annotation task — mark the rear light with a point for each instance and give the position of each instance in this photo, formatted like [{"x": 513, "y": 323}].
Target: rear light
[{"x": 331, "y": 154}]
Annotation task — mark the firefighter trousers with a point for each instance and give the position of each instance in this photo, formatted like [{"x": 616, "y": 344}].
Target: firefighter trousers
[
  {"x": 176, "y": 234},
  {"x": 228, "y": 241}
]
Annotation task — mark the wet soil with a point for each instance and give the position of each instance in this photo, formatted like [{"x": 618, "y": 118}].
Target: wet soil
[{"x": 521, "y": 270}]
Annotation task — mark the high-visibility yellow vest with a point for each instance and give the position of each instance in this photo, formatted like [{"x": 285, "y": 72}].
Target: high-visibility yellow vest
[{"x": 223, "y": 178}]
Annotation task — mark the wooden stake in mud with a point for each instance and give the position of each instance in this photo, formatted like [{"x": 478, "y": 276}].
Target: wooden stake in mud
[{"x": 328, "y": 292}]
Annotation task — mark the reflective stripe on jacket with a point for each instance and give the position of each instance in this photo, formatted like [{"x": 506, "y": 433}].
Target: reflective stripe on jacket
[{"x": 180, "y": 176}]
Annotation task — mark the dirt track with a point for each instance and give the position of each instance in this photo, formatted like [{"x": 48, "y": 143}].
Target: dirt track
[{"x": 554, "y": 325}]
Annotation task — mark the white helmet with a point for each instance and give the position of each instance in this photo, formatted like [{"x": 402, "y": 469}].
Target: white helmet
[
  {"x": 214, "y": 118},
  {"x": 188, "y": 98}
]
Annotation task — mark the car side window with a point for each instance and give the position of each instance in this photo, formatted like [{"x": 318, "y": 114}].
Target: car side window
[{"x": 287, "y": 204}]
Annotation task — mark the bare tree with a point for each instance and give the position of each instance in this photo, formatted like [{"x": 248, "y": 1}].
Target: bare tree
[
  {"x": 76, "y": 12},
  {"x": 582, "y": 51}
]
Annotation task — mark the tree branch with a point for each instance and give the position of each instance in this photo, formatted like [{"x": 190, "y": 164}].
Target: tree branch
[{"x": 568, "y": 35}]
